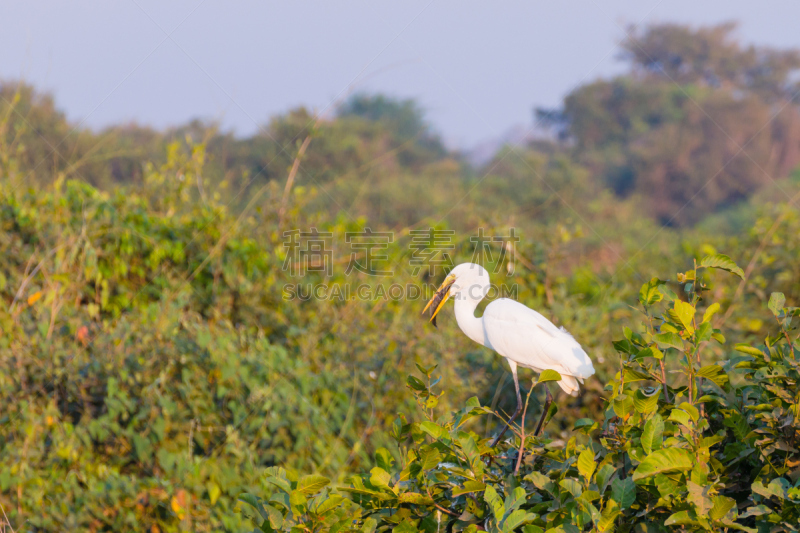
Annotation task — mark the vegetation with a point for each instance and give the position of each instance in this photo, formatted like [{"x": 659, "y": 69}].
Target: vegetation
[
  {"x": 160, "y": 355},
  {"x": 692, "y": 452}
]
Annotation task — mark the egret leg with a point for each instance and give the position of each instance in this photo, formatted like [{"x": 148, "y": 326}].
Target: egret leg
[
  {"x": 518, "y": 410},
  {"x": 547, "y": 403}
]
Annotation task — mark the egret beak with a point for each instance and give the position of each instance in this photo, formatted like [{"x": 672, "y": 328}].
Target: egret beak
[{"x": 442, "y": 294}]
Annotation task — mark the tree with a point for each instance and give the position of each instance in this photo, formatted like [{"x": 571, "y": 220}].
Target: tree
[{"x": 698, "y": 123}]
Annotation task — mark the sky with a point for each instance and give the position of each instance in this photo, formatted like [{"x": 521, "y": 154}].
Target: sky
[{"x": 478, "y": 69}]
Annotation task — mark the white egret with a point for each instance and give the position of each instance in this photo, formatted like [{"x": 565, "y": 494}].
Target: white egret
[{"x": 518, "y": 333}]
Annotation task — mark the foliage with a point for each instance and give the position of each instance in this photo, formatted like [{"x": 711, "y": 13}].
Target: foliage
[
  {"x": 690, "y": 452},
  {"x": 699, "y": 121}
]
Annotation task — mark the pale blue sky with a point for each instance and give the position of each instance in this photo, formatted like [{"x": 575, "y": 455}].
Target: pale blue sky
[{"x": 478, "y": 68}]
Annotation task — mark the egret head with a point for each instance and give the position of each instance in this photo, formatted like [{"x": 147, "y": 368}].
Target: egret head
[{"x": 467, "y": 281}]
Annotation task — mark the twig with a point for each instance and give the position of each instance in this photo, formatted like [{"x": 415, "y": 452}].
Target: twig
[
  {"x": 442, "y": 509},
  {"x": 664, "y": 379},
  {"x": 6, "y": 518},
  {"x": 522, "y": 432},
  {"x": 290, "y": 180},
  {"x": 25, "y": 284},
  {"x": 30, "y": 276},
  {"x": 660, "y": 361}
]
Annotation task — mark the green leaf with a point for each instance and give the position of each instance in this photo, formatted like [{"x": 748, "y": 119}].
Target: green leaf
[
  {"x": 572, "y": 486},
  {"x": 515, "y": 500},
  {"x": 469, "y": 486},
  {"x": 586, "y": 463},
  {"x": 250, "y": 500},
  {"x": 332, "y": 502},
  {"x": 429, "y": 457},
  {"x": 539, "y": 480},
  {"x": 715, "y": 373},
  {"x": 470, "y": 449},
  {"x": 757, "y": 510},
  {"x": 685, "y": 313},
  {"x": 564, "y": 527},
  {"x": 669, "y": 340},
  {"x": 710, "y": 311},
  {"x": 624, "y": 346},
  {"x": 405, "y": 527},
  {"x": 583, "y": 422},
  {"x": 664, "y": 460},
  {"x": 652, "y": 434},
  {"x": 624, "y": 492},
  {"x": 682, "y": 518},
  {"x": 744, "y": 348},
  {"x": 645, "y": 403},
  {"x": 665, "y": 485},
  {"x": 416, "y": 384},
  {"x": 549, "y": 375},
  {"x": 698, "y": 496},
  {"x": 369, "y": 525},
  {"x": 632, "y": 375},
  {"x": 650, "y": 351},
  {"x": 681, "y": 417},
  {"x": 590, "y": 495},
  {"x": 214, "y": 492},
  {"x": 433, "y": 429},
  {"x": 723, "y": 262},
  {"x": 704, "y": 332},
  {"x": 737, "y": 526},
  {"x": 623, "y": 405},
  {"x": 610, "y": 513},
  {"x": 776, "y": 488},
  {"x": 380, "y": 478},
  {"x": 414, "y": 498},
  {"x": 722, "y": 505},
  {"x": 312, "y": 484},
  {"x": 707, "y": 442},
  {"x": 603, "y": 476},
  {"x": 776, "y": 301},
  {"x": 691, "y": 410},
  {"x": 495, "y": 503},
  {"x": 516, "y": 519},
  {"x": 280, "y": 482},
  {"x": 298, "y": 502},
  {"x": 383, "y": 458},
  {"x": 649, "y": 293},
  {"x": 276, "y": 518}
]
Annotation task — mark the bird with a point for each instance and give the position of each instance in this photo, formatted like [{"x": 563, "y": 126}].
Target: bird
[{"x": 523, "y": 336}]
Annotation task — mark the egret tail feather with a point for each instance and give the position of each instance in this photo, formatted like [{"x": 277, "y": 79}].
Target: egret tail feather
[{"x": 569, "y": 385}]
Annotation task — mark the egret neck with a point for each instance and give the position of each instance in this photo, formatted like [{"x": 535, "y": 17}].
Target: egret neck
[{"x": 467, "y": 295}]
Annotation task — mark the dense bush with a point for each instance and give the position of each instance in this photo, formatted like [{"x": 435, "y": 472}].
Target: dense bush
[{"x": 700, "y": 449}]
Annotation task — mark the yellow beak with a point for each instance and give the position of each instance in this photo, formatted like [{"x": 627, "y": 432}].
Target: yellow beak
[{"x": 442, "y": 294}]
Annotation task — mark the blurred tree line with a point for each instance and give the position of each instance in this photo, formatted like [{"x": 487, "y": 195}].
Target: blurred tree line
[
  {"x": 698, "y": 119},
  {"x": 696, "y": 109}
]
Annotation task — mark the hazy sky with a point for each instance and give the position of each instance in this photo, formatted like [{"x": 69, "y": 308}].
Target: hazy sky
[{"x": 478, "y": 68}]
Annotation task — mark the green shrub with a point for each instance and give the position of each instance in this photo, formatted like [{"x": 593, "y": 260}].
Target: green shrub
[{"x": 686, "y": 444}]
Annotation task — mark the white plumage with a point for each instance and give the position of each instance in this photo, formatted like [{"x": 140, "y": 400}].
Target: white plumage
[
  {"x": 518, "y": 333},
  {"x": 528, "y": 339}
]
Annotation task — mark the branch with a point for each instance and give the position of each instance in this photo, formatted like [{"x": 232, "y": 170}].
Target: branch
[
  {"x": 442, "y": 509},
  {"x": 290, "y": 179}
]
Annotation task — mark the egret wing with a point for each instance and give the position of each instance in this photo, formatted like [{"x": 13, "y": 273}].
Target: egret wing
[{"x": 526, "y": 337}]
